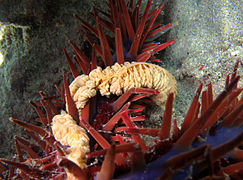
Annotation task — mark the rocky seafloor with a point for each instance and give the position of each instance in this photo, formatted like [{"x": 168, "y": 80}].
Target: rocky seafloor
[{"x": 207, "y": 34}]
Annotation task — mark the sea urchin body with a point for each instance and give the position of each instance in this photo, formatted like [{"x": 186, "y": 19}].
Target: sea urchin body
[{"x": 105, "y": 109}]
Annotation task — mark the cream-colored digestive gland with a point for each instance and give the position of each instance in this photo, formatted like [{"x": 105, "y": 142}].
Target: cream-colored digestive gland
[
  {"x": 66, "y": 130},
  {"x": 117, "y": 80}
]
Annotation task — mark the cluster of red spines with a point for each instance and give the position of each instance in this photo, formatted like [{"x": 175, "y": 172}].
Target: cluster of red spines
[
  {"x": 127, "y": 25},
  {"x": 135, "y": 28},
  {"x": 225, "y": 107},
  {"x": 225, "y": 110},
  {"x": 41, "y": 158}
]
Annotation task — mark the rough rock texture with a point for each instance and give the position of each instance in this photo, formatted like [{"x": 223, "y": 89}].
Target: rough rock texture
[
  {"x": 33, "y": 33},
  {"x": 206, "y": 33},
  {"x": 32, "y": 37}
]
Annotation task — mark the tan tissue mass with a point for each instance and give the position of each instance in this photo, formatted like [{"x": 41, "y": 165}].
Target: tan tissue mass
[
  {"x": 66, "y": 130},
  {"x": 118, "y": 79}
]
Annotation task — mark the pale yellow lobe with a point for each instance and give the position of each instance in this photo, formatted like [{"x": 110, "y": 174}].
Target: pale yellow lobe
[
  {"x": 118, "y": 79},
  {"x": 66, "y": 130},
  {"x": 78, "y": 82}
]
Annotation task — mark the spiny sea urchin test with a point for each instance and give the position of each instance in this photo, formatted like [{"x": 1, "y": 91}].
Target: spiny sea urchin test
[
  {"x": 118, "y": 79},
  {"x": 105, "y": 104}
]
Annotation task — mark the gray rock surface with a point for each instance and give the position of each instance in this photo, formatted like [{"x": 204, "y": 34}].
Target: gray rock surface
[
  {"x": 206, "y": 33},
  {"x": 32, "y": 37}
]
